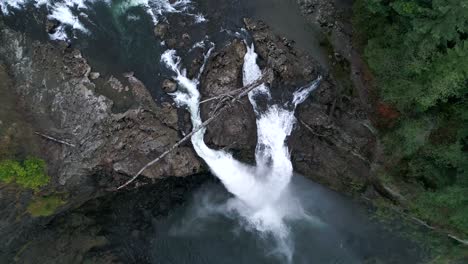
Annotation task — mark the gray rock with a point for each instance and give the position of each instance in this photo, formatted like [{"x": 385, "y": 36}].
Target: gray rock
[
  {"x": 171, "y": 43},
  {"x": 94, "y": 75},
  {"x": 169, "y": 86},
  {"x": 236, "y": 127},
  {"x": 53, "y": 85},
  {"x": 329, "y": 144},
  {"x": 115, "y": 84},
  {"x": 160, "y": 30},
  {"x": 51, "y": 26},
  {"x": 185, "y": 36}
]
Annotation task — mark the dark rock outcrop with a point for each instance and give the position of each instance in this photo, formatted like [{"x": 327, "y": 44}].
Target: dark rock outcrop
[
  {"x": 235, "y": 128},
  {"x": 332, "y": 143},
  {"x": 169, "y": 86},
  {"x": 53, "y": 86},
  {"x": 292, "y": 67}
]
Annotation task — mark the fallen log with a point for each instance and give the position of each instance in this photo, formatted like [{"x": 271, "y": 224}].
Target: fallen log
[
  {"x": 266, "y": 77},
  {"x": 55, "y": 139}
]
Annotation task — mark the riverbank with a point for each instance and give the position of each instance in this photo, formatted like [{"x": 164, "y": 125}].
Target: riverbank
[
  {"x": 118, "y": 123},
  {"x": 346, "y": 26}
]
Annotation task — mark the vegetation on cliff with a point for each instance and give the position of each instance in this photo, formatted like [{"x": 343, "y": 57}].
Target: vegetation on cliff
[
  {"x": 418, "y": 53},
  {"x": 45, "y": 205},
  {"x": 31, "y": 173}
]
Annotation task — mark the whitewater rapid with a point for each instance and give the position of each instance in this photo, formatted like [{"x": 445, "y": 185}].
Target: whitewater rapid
[
  {"x": 260, "y": 191},
  {"x": 71, "y": 14}
]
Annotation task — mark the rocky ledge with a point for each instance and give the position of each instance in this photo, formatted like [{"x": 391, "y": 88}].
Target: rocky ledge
[
  {"x": 100, "y": 148},
  {"x": 102, "y": 145},
  {"x": 333, "y": 142}
]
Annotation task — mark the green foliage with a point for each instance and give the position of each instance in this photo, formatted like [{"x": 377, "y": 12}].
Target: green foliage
[
  {"x": 451, "y": 206},
  {"x": 418, "y": 52},
  {"x": 417, "y": 49},
  {"x": 28, "y": 174},
  {"x": 9, "y": 169},
  {"x": 45, "y": 206}
]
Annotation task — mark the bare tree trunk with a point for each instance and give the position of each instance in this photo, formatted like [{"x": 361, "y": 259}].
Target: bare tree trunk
[{"x": 55, "y": 140}]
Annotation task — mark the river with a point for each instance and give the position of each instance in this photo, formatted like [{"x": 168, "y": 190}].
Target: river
[{"x": 195, "y": 223}]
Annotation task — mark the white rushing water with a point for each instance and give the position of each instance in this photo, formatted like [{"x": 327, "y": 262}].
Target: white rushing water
[
  {"x": 72, "y": 13},
  {"x": 261, "y": 194}
]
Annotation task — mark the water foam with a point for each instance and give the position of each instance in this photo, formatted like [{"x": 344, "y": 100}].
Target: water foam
[
  {"x": 64, "y": 11},
  {"x": 261, "y": 195},
  {"x": 7, "y": 5}
]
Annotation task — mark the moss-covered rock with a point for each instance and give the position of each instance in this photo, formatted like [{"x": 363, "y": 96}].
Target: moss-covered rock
[{"x": 45, "y": 205}]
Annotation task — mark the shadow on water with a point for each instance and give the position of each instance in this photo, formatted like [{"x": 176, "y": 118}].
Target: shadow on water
[
  {"x": 337, "y": 230},
  {"x": 185, "y": 221}
]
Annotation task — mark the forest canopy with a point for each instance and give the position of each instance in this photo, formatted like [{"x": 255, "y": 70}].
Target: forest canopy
[{"x": 418, "y": 53}]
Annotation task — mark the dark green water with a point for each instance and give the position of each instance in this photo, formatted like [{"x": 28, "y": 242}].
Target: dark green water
[
  {"x": 122, "y": 40},
  {"x": 339, "y": 231},
  {"x": 185, "y": 221},
  {"x": 145, "y": 226}
]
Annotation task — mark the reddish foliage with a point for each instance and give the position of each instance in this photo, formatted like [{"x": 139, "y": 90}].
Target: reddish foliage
[
  {"x": 387, "y": 111},
  {"x": 387, "y": 115}
]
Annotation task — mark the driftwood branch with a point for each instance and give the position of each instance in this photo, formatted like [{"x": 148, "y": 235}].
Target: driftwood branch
[
  {"x": 462, "y": 241},
  {"x": 55, "y": 139},
  {"x": 220, "y": 108},
  {"x": 230, "y": 94},
  {"x": 310, "y": 129},
  {"x": 353, "y": 152}
]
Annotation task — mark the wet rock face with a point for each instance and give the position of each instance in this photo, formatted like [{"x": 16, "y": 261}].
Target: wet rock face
[
  {"x": 332, "y": 142},
  {"x": 292, "y": 67},
  {"x": 53, "y": 84},
  {"x": 333, "y": 146},
  {"x": 322, "y": 11},
  {"x": 116, "y": 228},
  {"x": 169, "y": 86},
  {"x": 235, "y": 128},
  {"x": 160, "y": 30}
]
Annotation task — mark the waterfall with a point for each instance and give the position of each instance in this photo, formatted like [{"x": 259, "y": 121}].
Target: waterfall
[{"x": 260, "y": 191}]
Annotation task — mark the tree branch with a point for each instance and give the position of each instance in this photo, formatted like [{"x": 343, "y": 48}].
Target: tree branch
[
  {"x": 55, "y": 140},
  {"x": 267, "y": 76}
]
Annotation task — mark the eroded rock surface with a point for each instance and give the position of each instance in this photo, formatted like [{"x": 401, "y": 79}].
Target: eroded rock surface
[
  {"x": 332, "y": 143},
  {"x": 235, "y": 128},
  {"x": 53, "y": 83}
]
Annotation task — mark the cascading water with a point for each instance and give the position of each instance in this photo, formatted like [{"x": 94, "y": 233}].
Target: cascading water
[
  {"x": 71, "y": 13},
  {"x": 261, "y": 195}
]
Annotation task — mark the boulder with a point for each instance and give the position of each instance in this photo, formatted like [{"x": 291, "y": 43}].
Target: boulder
[
  {"x": 235, "y": 128},
  {"x": 169, "y": 86},
  {"x": 160, "y": 30},
  {"x": 94, "y": 75}
]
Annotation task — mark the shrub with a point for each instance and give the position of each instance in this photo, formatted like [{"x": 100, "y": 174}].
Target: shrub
[{"x": 31, "y": 173}]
